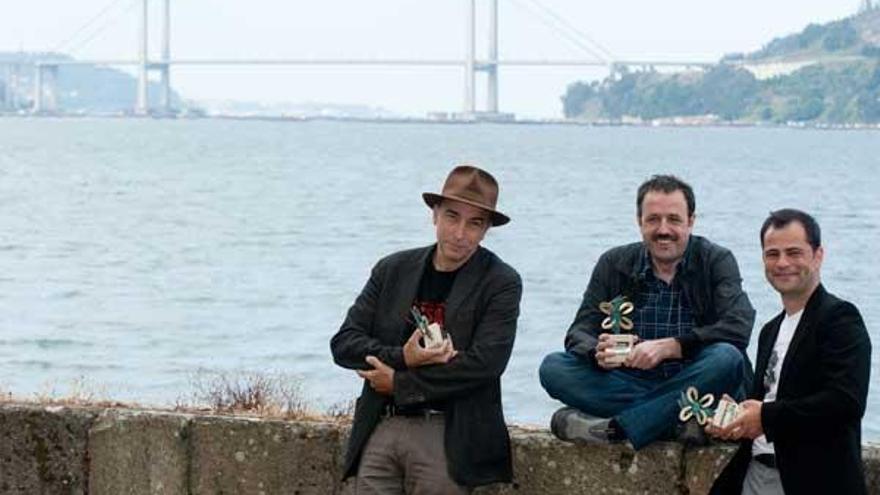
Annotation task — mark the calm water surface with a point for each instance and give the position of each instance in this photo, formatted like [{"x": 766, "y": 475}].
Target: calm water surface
[{"x": 136, "y": 252}]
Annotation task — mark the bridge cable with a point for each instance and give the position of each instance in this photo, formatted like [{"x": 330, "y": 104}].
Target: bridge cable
[
  {"x": 564, "y": 31},
  {"x": 607, "y": 54},
  {"x": 103, "y": 27},
  {"x": 88, "y": 24},
  {"x": 555, "y": 28}
]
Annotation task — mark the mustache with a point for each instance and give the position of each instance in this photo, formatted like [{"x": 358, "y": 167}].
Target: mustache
[{"x": 664, "y": 237}]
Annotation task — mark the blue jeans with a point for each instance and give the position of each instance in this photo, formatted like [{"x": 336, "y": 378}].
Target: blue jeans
[{"x": 645, "y": 404}]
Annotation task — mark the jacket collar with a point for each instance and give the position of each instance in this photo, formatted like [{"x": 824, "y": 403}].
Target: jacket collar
[
  {"x": 467, "y": 279},
  {"x": 640, "y": 267},
  {"x": 803, "y": 328},
  {"x": 804, "y": 325}
]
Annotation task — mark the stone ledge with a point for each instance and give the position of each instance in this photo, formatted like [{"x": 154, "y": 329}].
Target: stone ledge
[
  {"x": 82, "y": 451},
  {"x": 137, "y": 452},
  {"x": 44, "y": 450}
]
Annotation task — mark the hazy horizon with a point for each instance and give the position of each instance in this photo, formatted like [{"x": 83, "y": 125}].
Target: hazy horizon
[{"x": 676, "y": 30}]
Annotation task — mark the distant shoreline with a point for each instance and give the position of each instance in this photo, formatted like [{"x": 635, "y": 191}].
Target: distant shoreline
[{"x": 665, "y": 123}]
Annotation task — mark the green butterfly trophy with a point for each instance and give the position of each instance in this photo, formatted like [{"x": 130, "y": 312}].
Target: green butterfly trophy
[
  {"x": 432, "y": 334},
  {"x": 618, "y": 322},
  {"x": 694, "y": 406}
]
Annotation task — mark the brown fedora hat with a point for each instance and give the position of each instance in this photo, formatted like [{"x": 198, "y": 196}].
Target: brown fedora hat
[{"x": 473, "y": 186}]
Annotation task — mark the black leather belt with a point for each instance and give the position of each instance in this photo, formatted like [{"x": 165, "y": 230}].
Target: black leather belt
[
  {"x": 392, "y": 410},
  {"x": 768, "y": 460}
]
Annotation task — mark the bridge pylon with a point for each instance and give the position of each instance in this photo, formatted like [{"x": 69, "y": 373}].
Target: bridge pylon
[
  {"x": 489, "y": 65},
  {"x": 45, "y": 79},
  {"x": 492, "y": 65},
  {"x": 165, "y": 68},
  {"x": 142, "y": 106}
]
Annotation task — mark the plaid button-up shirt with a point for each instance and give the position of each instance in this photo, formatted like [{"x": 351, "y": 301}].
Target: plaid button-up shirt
[{"x": 661, "y": 311}]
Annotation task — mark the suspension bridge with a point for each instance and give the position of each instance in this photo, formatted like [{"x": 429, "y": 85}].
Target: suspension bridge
[{"x": 45, "y": 72}]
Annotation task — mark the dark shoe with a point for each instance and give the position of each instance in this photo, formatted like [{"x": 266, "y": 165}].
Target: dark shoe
[
  {"x": 572, "y": 425},
  {"x": 692, "y": 434}
]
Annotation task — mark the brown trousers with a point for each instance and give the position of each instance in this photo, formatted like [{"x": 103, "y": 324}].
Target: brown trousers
[{"x": 405, "y": 455}]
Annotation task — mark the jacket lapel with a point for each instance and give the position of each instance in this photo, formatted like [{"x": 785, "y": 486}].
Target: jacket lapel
[
  {"x": 764, "y": 352},
  {"x": 804, "y": 327},
  {"x": 465, "y": 282},
  {"x": 407, "y": 287}
]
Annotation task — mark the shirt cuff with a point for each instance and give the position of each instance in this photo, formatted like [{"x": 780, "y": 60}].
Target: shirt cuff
[
  {"x": 396, "y": 359},
  {"x": 690, "y": 345}
]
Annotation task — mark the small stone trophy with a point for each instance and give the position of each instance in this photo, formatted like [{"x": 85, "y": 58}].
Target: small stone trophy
[
  {"x": 694, "y": 406},
  {"x": 617, "y": 321},
  {"x": 431, "y": 333}
]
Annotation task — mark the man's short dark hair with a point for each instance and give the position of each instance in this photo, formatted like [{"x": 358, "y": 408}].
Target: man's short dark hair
[
  {"x": 666, "y": 184},
  {"x": 780, "y": 218}
]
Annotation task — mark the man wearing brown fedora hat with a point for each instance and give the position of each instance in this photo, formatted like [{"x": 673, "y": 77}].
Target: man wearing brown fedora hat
[{"x": 431, "y": 334}]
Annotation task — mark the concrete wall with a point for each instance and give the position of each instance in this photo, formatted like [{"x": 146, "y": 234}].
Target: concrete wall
[{"x": 61, "y": 450}]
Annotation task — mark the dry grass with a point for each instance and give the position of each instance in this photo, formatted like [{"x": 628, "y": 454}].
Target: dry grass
[
  {"x": 340, "y": 412},
  {"x": 259, "y": 394},
  {"x": 80, "y": 393}
]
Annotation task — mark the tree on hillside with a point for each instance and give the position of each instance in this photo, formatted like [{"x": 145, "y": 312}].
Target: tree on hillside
[
  {"x": 840, "y": 35},
  {"x": 728, "y": 91},
  {"x": 618, "y": 96},
  {"x": 869, "y": 99},
  {"x": 575, "y": 98}
]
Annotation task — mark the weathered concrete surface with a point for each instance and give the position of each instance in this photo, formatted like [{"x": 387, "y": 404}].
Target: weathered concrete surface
[
  {"x": 43, "y": 450},
  {"x": 704, "y": 464},
  {"x": 543, "y": 464},
  {"x": 263, "y": 457},
  {"x": 139, "y": 453},
  {"x": 71, "y": 451},
  {"x": 871, "y": 460}
]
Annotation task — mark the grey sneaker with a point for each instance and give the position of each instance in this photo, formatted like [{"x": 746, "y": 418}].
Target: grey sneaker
[{"x": 572, "y": 425}]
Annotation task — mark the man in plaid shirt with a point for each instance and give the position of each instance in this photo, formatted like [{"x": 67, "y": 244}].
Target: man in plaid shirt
[{"x": 691, "y": 319}]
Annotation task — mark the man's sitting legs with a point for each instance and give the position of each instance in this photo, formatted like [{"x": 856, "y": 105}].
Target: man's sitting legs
[
  {"x": 643, "y": 405},
  {"x": 580, "y": 383}
]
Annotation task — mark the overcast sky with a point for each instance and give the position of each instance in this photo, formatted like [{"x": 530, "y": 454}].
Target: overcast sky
[{"x": 424, "y": 29}]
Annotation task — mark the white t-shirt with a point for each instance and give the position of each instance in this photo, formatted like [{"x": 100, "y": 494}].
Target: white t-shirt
[{"x": 783, "y": 339}]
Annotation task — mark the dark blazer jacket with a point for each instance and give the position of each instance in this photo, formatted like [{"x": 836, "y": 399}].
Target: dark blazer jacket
[
  {"x": 815, "y": 421},
  {"x": 481, "y": 313}
]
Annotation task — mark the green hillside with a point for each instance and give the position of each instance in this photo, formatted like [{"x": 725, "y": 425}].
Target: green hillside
[{"x": 827, "y": 73}]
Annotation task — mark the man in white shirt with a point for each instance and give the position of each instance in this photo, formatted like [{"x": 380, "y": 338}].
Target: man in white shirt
[{"x": 801, "y": 428}]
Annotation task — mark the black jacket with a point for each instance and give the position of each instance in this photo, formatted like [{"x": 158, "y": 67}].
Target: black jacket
[
  {"x": 710, "y": 280},
  {"x": 815, "y": 421},
  {"x": 481, "y": 313}
]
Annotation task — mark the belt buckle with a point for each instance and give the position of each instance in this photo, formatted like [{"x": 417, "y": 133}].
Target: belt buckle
[{"x": 432, "y": 413}]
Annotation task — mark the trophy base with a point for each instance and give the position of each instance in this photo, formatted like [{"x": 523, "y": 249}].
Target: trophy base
[
  {"x": 434, "y": 336},
  {"x": 621, "y": 345},
  {"x": 725, "y": 412}
]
